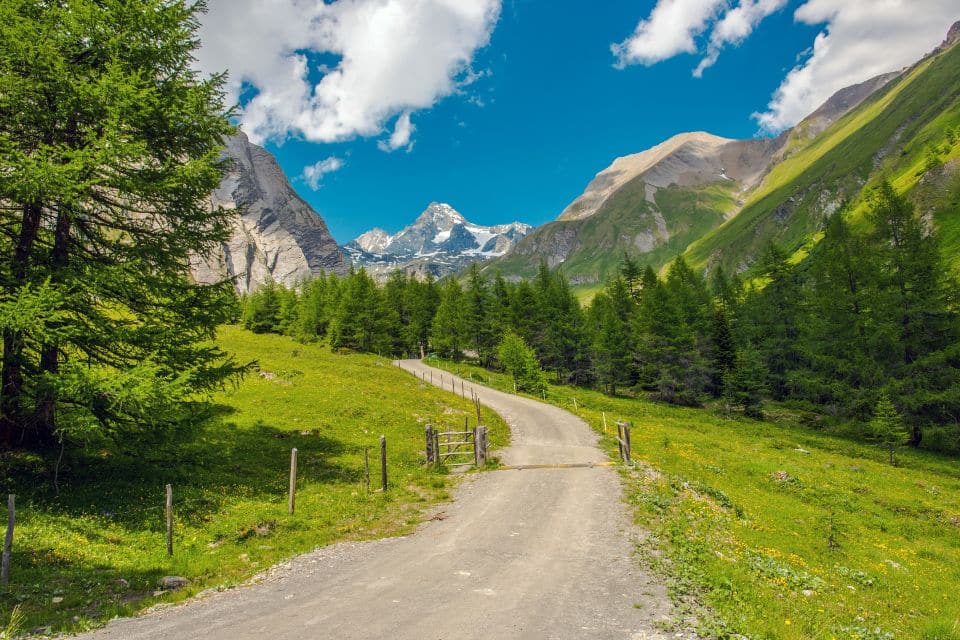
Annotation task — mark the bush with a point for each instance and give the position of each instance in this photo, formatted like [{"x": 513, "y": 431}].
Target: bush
[{"x": 521, "y": 363}]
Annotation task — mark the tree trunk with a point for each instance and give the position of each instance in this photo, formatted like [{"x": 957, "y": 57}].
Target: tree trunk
[
  {"x": 45, "y": 414},
  {"x": 916, "y": 435},
  {"x": 11, "y": 372}
]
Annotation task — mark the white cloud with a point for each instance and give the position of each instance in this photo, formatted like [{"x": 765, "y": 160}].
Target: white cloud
[
  {"x": 669, "y": 31},
  {"x": 402, "y": 132},
  {"x": 735, "y": 26},
  {"x": 862, "y": 39},
  {"x": 391, "y": 57},
  {"x": 313, "y": 173}
]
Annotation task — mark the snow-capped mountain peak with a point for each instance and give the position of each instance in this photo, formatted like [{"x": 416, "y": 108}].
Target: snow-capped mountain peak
[
  {"x": 374, "y": 241},
  {"x": 440, "y": 241}
]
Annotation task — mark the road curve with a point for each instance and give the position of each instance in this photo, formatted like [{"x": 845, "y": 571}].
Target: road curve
[{"x": 537, "y": 553}]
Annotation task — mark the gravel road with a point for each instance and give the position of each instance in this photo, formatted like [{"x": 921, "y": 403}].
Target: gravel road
[{"x": 534, "y": 553}]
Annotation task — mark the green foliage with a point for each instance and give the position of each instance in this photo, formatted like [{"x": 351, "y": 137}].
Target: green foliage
[
  {"x": 886, "y": 427},
  {"x": 261, "y": 313},
  {"x": 745, "y": 385},
  {"x": 449, "y": 331},
  {"x": 110, "y": 144},
  {"x": 521, "y": 363}
]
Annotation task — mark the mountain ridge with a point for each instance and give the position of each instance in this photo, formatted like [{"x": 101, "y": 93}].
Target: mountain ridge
[{"x": 439, "y": 241}]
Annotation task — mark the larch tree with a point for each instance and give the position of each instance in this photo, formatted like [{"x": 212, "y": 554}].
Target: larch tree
[{"x": 110, "y": 144}]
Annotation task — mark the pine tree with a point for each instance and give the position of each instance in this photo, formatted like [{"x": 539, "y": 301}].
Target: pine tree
[
  {"x": 448, "y": 333},
  {"x": 422, "y": 301},
  {"x": 723, "y": 350},
  {"x": 631, "y": 273},
  {"x": 610, "y": 344},
  {"x": 477, "y": 320},
  {"x": 771, "y": 319},
  {"x": 110, "y": 145},
  {"x": 746, "y": 383},
  {"x": 261, "y": 313},
  {"x": 886, "y": 427},
  {"x": 357, "y": 322},
  {"x": 916, "y": 306}
]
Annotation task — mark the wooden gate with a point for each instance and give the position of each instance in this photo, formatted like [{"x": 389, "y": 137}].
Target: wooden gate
[{"x": 456, "y": 448}]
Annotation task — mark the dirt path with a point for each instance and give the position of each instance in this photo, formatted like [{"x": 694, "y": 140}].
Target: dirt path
[{"x": 545, "y": 553}]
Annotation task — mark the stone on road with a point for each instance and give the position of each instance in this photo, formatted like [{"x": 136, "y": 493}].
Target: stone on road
[{"x": 537, "y": 553}]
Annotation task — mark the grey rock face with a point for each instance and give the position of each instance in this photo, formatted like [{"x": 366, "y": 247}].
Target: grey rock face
[
  {"x": 277, "y": 235},
  {"x": 440, "y": 241}
]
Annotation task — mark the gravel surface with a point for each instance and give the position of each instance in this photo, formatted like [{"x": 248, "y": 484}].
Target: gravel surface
[{"x": 536, "y": 553}]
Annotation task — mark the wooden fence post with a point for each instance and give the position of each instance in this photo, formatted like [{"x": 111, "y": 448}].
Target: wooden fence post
[
  {"x": 626, "y": 430},
  {"x": 620, "y": 439},
  {"x": 483, "y": 446},
  {"x": 429, "y": 433},
  {"x": 292, "y": 502},
  {"x": 366, "y": 465},
  {"x": 383, "y": 462},
  {"x": 169, "y": 505},
  {"x": 8, "y": 540},
  {"x": 476, "y": 445},
  {"x": 436, "y": 448},
  {"x": 477, "y": 401}
]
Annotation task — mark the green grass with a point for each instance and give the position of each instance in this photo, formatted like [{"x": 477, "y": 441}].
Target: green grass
[
  {"x": 842, "y": 545},
  {"x": 98, "y": 548}
]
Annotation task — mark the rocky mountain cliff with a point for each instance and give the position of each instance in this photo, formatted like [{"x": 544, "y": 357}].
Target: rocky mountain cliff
[
  {"x": 440, "y": 241},
  {"x": 277, "y": 235}
]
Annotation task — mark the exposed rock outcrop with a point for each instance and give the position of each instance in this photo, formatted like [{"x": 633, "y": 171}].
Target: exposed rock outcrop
[{"x": 277, "y": 235}]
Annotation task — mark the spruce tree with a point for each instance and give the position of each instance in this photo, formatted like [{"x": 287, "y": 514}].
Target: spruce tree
[
  {"x": 448, "y": 332},
  {"x": 357, "y": 322},
  {"x": 745, "y": 385},
  {"x": 610, "y": 344},
  {"x": 477, "y": 318}
]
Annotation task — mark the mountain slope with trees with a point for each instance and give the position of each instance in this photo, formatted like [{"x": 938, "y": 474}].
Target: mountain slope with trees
[
  {"x": 870, "y": 317},
  {"x": 722, "y": 202}
]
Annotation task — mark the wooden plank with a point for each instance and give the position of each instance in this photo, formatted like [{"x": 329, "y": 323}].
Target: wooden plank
[
  {"x": 366, "y": 465},
  {"x": 8, "y": 540},
  {"x": 383, "y": 462},
  {"x": 292, "y": 493},
  {"x": 169, "y": 508}
]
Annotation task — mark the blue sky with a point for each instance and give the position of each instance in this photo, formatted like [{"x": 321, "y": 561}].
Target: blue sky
[{"x": 520, "y": 122}]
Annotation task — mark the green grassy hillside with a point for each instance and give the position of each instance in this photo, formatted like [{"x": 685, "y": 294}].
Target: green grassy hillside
[
  {"x": 97, "y": 549},
  {"x": 593, "y": 247},
  {"x": 890, "y": 135},
  {"x": 774, "y": 530}
]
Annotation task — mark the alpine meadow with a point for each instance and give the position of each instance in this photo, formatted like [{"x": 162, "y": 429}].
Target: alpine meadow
[{"x": 715, "y": 396}]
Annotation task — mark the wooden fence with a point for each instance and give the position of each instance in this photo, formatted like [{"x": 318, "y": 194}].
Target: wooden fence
[
  {"x": 623, "y": 441},
  {"x": 451, "y": 449}
]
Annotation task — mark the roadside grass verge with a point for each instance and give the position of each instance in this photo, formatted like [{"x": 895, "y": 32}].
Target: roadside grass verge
[
  {"x": 781, "y": 531},
  {"x": 98, "y": 549}
]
